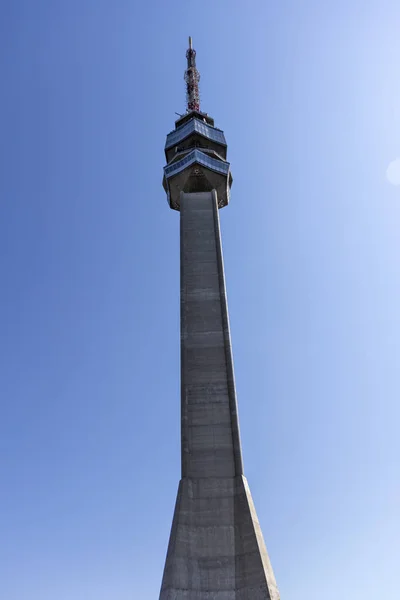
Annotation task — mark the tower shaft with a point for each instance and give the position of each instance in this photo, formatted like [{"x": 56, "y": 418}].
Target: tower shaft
[
  {"x": 216, "y": 550},
  {"x": 210, "y": 430}
]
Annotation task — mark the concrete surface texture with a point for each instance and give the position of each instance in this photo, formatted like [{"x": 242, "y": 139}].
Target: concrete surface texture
[{"x": 216, "y": 549}]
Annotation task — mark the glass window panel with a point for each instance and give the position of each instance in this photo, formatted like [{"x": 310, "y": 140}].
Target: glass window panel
[
  {"x": 200, "y": 157},
  {"x": 194, "y": 125}
]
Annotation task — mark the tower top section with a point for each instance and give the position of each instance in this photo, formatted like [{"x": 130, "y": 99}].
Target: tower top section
[
  {"x": 192, "y": 78},
  {"x": 195, "y": 150}
]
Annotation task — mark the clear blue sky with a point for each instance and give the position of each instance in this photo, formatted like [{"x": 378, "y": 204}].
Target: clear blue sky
[{"x": 308, "y": 94}]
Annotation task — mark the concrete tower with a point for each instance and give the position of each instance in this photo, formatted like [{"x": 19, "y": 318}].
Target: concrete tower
[{"x": 216, "y": 550}]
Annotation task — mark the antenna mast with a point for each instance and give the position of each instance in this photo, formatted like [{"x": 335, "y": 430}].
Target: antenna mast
[{"x": 192, "y": 78}]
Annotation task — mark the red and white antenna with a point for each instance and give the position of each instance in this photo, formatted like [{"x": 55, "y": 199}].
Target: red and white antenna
[{"x": 192, "y": 78}]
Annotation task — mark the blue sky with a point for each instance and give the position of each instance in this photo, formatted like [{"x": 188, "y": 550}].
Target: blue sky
[{"x": 308, "y": 94}]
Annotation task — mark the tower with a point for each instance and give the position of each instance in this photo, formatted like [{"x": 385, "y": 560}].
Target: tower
[{"x": 216, "y": 549}]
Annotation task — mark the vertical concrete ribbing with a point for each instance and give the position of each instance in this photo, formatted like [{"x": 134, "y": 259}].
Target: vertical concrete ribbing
[{"x": 230, "y": 374}]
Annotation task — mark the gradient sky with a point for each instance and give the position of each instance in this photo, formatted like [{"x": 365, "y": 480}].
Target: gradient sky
[{"x": 308, "y": 94}]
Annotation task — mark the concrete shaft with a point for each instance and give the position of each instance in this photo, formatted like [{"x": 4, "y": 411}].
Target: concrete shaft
[
  {"x": 216, "y": 550},
  {"x": 210, "y": 432}
]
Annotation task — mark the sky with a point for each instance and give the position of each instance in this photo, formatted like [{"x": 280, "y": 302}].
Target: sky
[{"x": 308, "y": 94}]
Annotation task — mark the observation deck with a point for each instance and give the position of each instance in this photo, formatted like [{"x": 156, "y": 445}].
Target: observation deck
[{"x": 196, "y": 152}]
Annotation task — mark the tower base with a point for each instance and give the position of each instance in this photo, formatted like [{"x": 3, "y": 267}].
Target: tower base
[{"x": 216, "y": 550}]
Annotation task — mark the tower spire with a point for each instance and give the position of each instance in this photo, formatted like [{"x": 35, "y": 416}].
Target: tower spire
[{"x": 192, "y": 78}]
